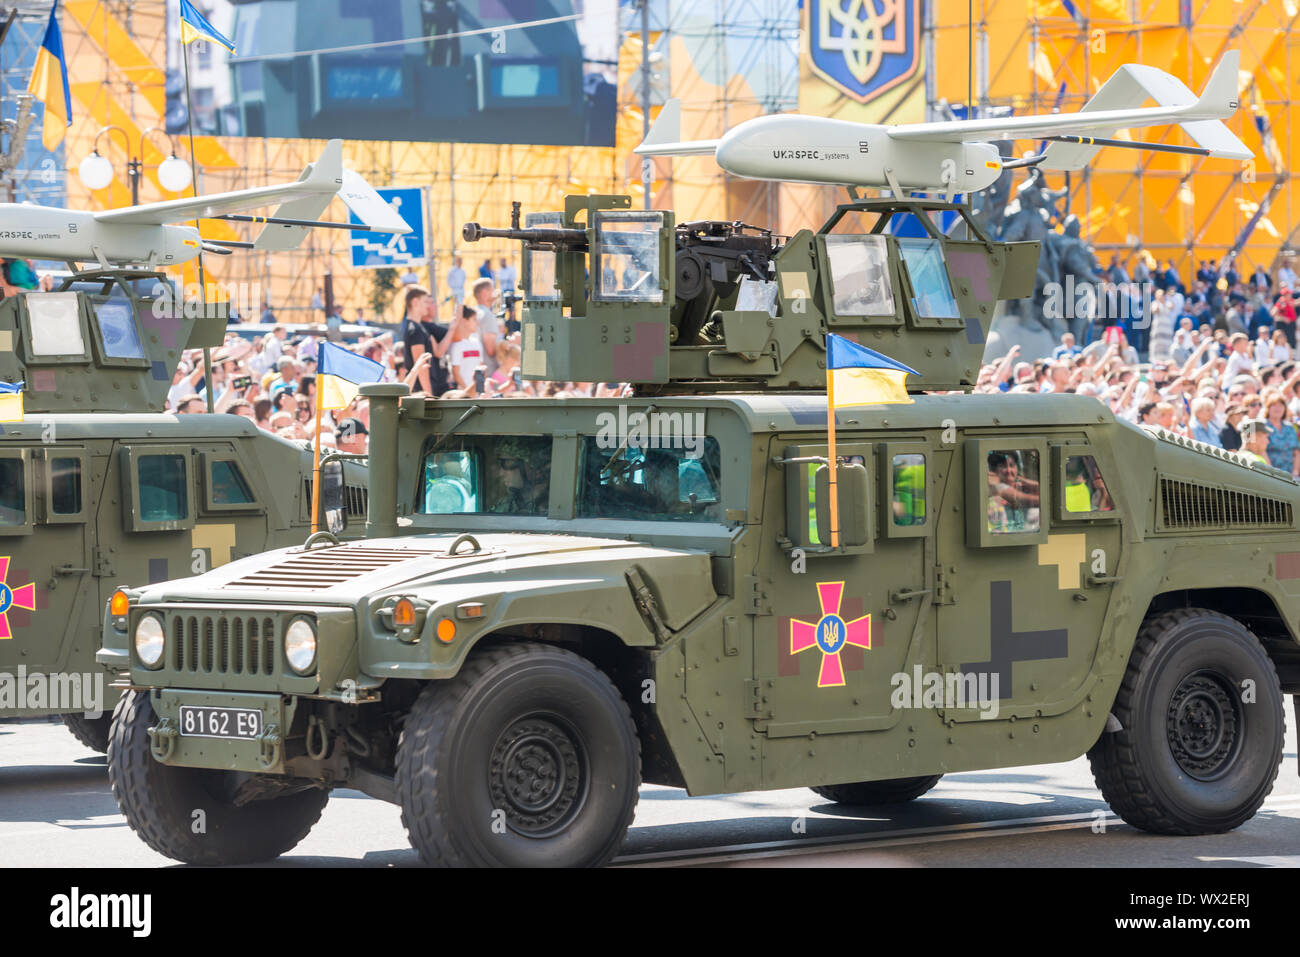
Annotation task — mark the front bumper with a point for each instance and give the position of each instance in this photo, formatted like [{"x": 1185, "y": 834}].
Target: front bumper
[{"x": 261, "y": 755}]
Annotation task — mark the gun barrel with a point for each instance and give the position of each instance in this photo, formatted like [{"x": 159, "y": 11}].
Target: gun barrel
[{"x": 572, "y": 238}]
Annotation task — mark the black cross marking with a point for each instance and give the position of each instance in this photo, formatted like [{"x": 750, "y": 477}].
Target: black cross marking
[{"x": 1007, "y": 646}]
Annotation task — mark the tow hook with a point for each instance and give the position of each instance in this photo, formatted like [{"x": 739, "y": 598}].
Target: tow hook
[
  {"x": 162, "y": 739},
  {"x": 270, "y": 743}
]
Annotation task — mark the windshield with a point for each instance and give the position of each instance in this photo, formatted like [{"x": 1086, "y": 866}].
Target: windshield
[{"x": 666, "y": 485}]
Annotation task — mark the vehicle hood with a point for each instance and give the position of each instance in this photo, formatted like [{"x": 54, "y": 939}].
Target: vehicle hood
[{"x": 349, "y": 574}]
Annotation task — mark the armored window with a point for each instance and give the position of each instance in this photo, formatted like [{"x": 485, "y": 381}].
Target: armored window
[
  {"x": 65, "y": 486},
  {"x": 162, "y": 488},
  {"x": 907, "y": 502},
  {"x": 450, "y": 483},
  {"x": 929, "y": 275},
  {"x": 117, "y": 330},
  {"x": 228, "y": 486},
  {"x": 859, "y": 275},
  {"x": 626, "y": 264},
  {"x": 55, "y": 331},
  {"x": 539, "y": 264},
  {"x": 813, "y": 537},
  {"x": 680, "y": 484},
  {"x": 1013, "y": 504},
  {"x": 13, "y": 492},
  {"x": 499, "y": 474}
]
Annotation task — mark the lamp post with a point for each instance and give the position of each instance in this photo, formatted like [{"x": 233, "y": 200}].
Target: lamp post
[{"x": 96, "y": 171}]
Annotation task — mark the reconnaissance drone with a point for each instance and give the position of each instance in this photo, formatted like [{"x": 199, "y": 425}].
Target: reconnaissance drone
[
  {"x": 958, "y": 156},
  {"x": 142, "y": 235}
]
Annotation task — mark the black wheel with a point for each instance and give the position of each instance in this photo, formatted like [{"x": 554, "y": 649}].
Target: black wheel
[
  {"x": 92, "y": 732},
  {"x": 527, "y": 758},
  {"x": 1201, "y": 710},
  {"x": 161, "y": 802},
  {"x": 866, "y": 793}
]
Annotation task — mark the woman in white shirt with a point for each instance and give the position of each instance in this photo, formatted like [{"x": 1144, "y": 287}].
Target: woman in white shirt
[{"x": 1281, "y": 351}]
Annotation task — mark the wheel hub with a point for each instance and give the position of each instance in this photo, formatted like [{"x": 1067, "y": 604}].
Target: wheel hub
[
  {"x": 538, "y": 776},
  {"x": 1203, "y": 725}
]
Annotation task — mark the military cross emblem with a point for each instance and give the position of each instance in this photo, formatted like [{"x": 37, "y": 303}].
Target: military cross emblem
[
  {"x": 830, "y": 633},
  {"x": 22, "y": 597}
]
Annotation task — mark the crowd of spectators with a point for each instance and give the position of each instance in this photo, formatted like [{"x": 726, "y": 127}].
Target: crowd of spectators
[
  {"x": 1215, "y": 361},
  {"x": 472, "y": 351}
]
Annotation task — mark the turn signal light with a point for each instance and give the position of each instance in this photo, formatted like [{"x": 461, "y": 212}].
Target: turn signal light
[
  {"x": 404, "y": 613},
  {"x": 446, "y": 631},
  {"x": 119, "y": 604}
]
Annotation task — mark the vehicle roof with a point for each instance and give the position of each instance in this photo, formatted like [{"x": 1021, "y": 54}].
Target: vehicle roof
[
  {"x": 807, "y": 411},
  {"x": 99, "y": 425}
]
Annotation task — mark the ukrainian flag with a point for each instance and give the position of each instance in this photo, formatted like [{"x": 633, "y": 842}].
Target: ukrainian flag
[
  {"x": 858, "y": 376},
  {"x": 339, "y": 374},
  {"x": 49, "y": 83},
  {"x": 195, "y": 26},
  {"x": 11, "y": 401}
]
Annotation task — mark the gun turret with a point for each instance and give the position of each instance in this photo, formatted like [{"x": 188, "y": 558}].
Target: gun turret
[
  {"x": 107, "y": 341},
  {"x": 711, "y": 306}
]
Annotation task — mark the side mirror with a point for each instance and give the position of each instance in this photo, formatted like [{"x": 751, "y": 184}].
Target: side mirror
[{"x": 855, "y": 513}]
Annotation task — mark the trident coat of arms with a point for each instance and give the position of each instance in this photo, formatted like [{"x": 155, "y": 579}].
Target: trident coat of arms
[{"x": 864, "y": 47}]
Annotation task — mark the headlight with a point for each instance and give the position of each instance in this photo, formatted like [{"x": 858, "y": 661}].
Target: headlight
[
  {"x": 300, "y": 646},
  {"x": 150, "y": 639}
]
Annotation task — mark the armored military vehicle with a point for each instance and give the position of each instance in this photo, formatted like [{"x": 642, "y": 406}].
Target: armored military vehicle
[
  {"x": 558, "y": 600},
  {"x": 99, "y": 488}
]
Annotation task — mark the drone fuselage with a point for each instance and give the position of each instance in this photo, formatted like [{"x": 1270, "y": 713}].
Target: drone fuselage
[
  {"x": 47, "y": 232},
  {"x": 814, "y": 149}
]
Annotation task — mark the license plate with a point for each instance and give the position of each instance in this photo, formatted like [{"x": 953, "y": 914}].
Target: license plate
[{"x": 241, "y": 723}]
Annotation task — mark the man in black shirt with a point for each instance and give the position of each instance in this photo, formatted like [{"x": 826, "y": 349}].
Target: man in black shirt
[{"x": 421, "y": 333}]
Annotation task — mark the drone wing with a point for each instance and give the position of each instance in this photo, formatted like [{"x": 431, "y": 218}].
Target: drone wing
[
  {"x": 1114, "y": 107},
  {"x": 319, "y": 183}
]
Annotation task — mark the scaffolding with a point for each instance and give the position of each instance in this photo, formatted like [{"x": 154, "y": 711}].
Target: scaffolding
[{"x": 727, "y": 61}]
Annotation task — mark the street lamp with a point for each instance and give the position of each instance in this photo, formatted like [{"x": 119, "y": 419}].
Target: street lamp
[{"x": 96, "y": 171}]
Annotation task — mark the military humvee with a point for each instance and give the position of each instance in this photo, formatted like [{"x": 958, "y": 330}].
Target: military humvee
[
  {"x": 558, "y": 600},
  {"x": 97, "y": 487}
]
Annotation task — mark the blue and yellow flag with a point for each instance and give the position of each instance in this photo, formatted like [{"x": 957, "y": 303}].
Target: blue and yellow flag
[
  {"x": 49, "y": 83},
  {"x": 855, "y": 375},
  {"x": 340, "y": 373},
  {"x": 195, "y": 26},
  {"x": 11, "y": 401}
]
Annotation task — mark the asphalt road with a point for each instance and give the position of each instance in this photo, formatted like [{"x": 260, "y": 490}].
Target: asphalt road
[{"x": 56, "y": 810}]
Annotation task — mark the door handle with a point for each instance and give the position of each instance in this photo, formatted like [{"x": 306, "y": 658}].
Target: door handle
[
  {"x": 1095, "y": 580},
  {"x": 904, "y": 594},
  {"x": 69, "y": 570}
]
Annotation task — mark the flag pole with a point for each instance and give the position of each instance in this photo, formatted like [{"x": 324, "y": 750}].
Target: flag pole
[
  {"x": 315, "y": 469},
  {"x": 194, "y": 184},
  {"x": 832, "y": 461}
]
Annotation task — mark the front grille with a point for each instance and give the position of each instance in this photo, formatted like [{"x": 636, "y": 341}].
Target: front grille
[
  {"x": 1186, "y": 505},
  {"x": 224, "y": 644},
  {"x": 318, "y": 569}
]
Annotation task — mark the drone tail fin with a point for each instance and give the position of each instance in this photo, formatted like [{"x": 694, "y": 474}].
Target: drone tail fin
[
  {"x": 1133, "y": 84},
  {"x": 665, "y": 136}
]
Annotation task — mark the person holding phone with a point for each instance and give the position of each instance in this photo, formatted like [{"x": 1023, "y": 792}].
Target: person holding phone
[{"x": 466, "y": 352}]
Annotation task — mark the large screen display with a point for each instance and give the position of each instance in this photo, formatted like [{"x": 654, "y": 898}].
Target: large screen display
[{"x": 469, "y": 71}]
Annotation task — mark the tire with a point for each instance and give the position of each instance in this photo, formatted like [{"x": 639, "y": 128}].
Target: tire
[
  {"x": 92, "y": 732},
  {"x": 1193, "y": 757},
  {"x": 867, "y": 793},
  {"x": 527, "y": 758},
  {"x": 159, "y": 801}
]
